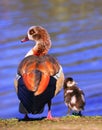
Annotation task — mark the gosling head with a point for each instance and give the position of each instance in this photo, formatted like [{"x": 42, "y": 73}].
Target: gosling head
[{"x": 69, "y": 82}]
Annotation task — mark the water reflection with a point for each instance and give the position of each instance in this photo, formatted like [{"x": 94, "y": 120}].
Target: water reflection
[{"x": 75, "y": 29}]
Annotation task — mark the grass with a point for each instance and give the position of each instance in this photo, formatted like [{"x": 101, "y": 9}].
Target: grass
[{"x": 63, "y": 123}]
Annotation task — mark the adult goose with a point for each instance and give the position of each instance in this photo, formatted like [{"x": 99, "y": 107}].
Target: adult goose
[{"x": 39, "y": 76}]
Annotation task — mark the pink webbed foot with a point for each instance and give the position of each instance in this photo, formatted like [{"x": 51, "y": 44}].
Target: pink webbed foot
[{"x": 49, "y": 116}]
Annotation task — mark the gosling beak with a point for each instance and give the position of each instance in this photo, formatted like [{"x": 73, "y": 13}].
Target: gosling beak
[{"x": 25, "y": 39}]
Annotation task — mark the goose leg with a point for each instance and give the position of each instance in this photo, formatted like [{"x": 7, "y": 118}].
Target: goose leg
[
  {"x": 69, "y": 111},
  {"x": 80, "y": 114},
  {"x": 49, "y": 116},
  {"x": 23, "y": 110},
  {"x": 26, "y": 117}
]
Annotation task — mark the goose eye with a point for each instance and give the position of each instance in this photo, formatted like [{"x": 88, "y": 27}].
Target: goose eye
[{"x": 31, "y": 32}]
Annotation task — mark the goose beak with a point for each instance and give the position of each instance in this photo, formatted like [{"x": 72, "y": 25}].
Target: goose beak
[{"x": 25, "y": 39}]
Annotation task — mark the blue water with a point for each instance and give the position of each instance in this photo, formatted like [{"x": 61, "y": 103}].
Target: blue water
[{"x": 76, "y": 35}]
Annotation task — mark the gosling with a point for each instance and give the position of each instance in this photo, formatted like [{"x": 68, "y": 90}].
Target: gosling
[{"x": 73, "y": 97}]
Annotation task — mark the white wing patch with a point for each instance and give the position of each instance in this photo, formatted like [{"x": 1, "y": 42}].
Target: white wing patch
[
  {"x": 69, "y": 91},
  {"x": 75, "y": 109},
  {"x": 73, "y": 100}
]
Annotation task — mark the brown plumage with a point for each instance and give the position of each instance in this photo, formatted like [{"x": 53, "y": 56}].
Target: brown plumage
[
  {"x": 40, "y": 76},
  {"x": 73, "y": 96}
]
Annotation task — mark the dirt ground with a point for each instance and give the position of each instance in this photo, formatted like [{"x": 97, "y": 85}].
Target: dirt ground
[{"x": 63, "y": 123}]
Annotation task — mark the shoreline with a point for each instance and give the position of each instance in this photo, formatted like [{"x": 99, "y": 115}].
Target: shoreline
[{"x": 62, "y": 123}]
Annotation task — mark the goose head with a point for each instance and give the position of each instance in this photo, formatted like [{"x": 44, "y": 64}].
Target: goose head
[
  {"x": 37, "y": 33},
  {"x": 41, "y": 38}
]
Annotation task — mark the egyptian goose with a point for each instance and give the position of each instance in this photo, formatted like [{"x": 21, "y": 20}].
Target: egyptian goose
[
  {"x": 73, "y": 97},
  {"x": 39, "y": 76}
]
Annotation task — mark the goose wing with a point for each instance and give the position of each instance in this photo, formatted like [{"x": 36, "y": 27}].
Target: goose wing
[{"x": 36, "y": 72}]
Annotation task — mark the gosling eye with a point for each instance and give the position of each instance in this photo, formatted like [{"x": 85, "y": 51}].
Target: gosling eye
[{"x": 31, "y": 32}]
